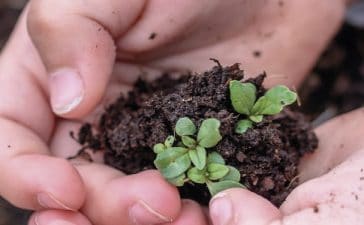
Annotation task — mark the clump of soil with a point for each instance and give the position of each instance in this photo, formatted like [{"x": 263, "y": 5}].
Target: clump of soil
[{"x": 266, "y": 156}]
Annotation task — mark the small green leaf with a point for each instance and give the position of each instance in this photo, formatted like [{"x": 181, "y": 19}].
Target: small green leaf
[
  {"x": 196, "y": 175},
  {"x": 256, "y": 119},
  {"x": 216, "y": 187},
  {"x": 168, "y": 156},
  {"x": 233, "y": 175},
  {"x": 169, "y": 141},
  {"x": 158, "y": 148},
  {"x": 185, "y": 126},
  {"x": 274, "y": 100},
  {"x": 188, "y": 141},
  {"x": 264, "y": 106},
  {"x": 209, "y": 135},
  {"x": 242, "y": 96},
  {"x": 176, "y": 168},
  {"x": 242, "y": 126},
  {"x": 281, "y": 94},
  {"x": 216, "y": 171},
  {"x": 198, "y": 157},
  {"x": 215, "y": 157},
  {"x": 178, "y": 181}
]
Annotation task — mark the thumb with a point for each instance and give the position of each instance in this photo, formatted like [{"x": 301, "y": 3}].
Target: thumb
[
  {"x": 241, "y": 207},
  {"x": 76, "y": 43}
]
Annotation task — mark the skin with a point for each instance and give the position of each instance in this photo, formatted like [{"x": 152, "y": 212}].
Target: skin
[
  {"x": 104, "y": 44},
  {"x": 332, "y": 184}
]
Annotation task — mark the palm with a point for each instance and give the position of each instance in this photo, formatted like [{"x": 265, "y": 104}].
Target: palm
[
  {"x": 337, "y": 165},
  {"x": 333, "y": 176},
  {"x": 260, "y": 35}
]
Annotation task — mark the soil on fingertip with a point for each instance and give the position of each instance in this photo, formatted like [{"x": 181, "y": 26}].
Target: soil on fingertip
[{"x": 266, "y": 155}]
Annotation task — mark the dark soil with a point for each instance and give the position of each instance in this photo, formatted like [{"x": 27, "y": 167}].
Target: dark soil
[{"x": 267, "y": 156}]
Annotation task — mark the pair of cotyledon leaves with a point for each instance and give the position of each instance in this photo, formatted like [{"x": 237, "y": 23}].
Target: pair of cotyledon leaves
[{"x": 243, "y": 97}]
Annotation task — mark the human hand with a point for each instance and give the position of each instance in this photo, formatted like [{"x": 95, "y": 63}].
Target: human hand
[
  {"x": 32, "y": 178},
  {"x": 79, "y": 45},
  {"x": 333, "y": 188}
]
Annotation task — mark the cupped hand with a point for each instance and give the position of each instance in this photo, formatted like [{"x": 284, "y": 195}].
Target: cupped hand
[
  {"x": 332, "y": 189},
  {"x": 82, "y": 54}
]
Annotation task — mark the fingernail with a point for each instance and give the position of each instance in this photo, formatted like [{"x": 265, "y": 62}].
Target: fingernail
[
  {"x": 45, "y": 220},
  {"x": 142, "y": 214},
  {"x": 66, "y": 90},
  {"x": 48, "y": 201},
  {"x": 221, "y": 210}
]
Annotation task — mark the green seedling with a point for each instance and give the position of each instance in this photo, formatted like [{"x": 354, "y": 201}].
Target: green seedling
[
  {"x": 243, "y": 98},
  {"x": 189, "y": 160}
]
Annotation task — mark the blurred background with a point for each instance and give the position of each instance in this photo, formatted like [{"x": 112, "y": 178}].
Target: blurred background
[
  {"x": 9, "y": 11},
  {"x": 335, "y": 85}
]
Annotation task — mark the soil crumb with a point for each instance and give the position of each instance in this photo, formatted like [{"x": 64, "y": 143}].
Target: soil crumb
[
  {"x": 257, "y": 54},
  {"x": 316, "y": 209},
  {"x": 152, "y": 36}
]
